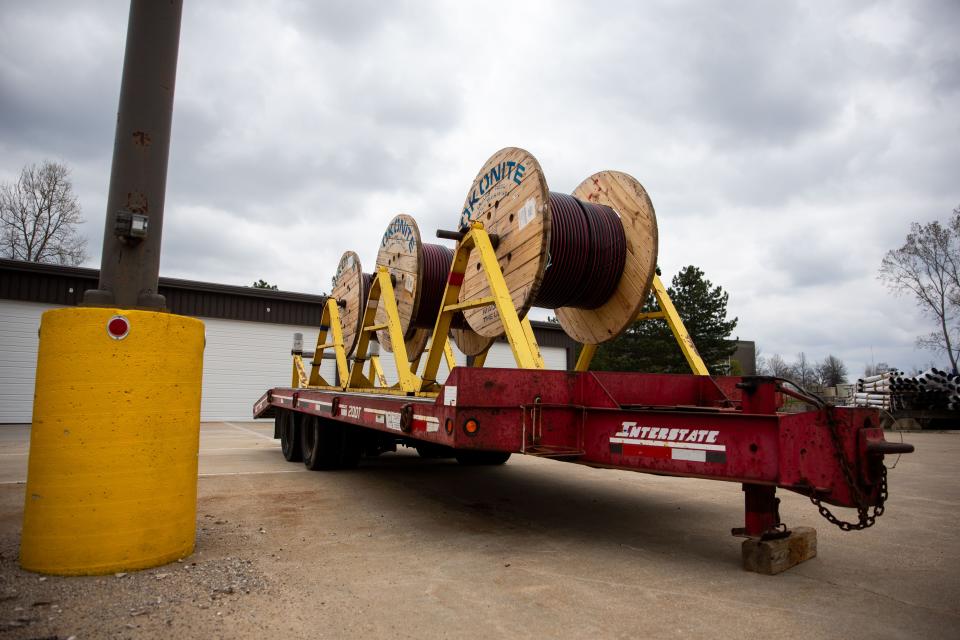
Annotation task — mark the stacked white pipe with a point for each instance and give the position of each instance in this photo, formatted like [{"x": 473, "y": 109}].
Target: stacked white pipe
[
  {"x": 892, "y": 390},
  {"x": 874, "y": 391}
]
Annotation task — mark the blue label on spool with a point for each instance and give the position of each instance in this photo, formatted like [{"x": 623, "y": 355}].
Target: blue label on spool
[
  {"x": 346, "y": 262},
  {"x": 489, "y": 185},
  {"x": 401, "y": 233}
]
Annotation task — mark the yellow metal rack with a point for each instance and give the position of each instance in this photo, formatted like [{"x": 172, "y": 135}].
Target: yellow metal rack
[
  {"x": 667, "y": 313},
  {"x": 518, "y": 332}
]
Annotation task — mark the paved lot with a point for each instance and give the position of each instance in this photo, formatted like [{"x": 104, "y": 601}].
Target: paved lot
[{"x": 404, "y": 547}]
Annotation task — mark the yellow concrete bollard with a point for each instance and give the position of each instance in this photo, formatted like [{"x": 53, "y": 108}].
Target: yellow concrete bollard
[{"x": 112, "y": 478}]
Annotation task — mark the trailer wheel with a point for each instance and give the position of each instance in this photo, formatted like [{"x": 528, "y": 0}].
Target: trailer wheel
[
  {"x": 311, "y": 443},
  {"x": 349, "y": 446},
  {"x": 473, "y": 457},
  {"x": 328, "y": 445},
  {"x": 433, "y": 451},
  {"x": 290, "y": 439}
]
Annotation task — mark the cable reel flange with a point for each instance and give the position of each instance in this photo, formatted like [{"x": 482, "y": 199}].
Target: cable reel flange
[
  {"x": 626, "y": 196},
  {"x": 350, "y": 286},
  {"x": 404, "y": 254},
  {"x": 509, "y": 196}
]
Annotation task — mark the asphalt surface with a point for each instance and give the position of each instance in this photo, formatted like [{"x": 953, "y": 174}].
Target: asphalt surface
[{"x": 406, "y": 547}]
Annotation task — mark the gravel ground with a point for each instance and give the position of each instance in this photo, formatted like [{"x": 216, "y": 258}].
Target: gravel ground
[
  {"x": 188, "y": 598},
  {"x": 406, "y": 547}
]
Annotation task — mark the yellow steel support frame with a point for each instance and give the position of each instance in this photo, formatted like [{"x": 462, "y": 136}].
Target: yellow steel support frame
[
  {"x": 376, "y": 372},
  {"x": 447, "y": 354},
  {"x": 585, "y": 357},
  {"x": 669, "y": 314},
  {"x": 680, "y": 334},
  {"x": 299, "y": 374},
  {"x": 329, "y": 327},
  {"x": 381, "y": 294},
  {"x": 415, "y": 363},
  {"x": 519, "y": 333},
  {"x": 531, "y": 343},
  {"x": 481, "y": 357}
]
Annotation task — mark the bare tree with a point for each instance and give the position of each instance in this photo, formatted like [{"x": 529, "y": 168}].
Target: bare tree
[
  {"x": 832, "y": 371},
  {"x": 928, "y": 267},
  {"x": 803, "y": 371},
  {"x": 39, "y": 214},
  {"x": 760, "y": 362},
  {"x": 778, "y": 367}
]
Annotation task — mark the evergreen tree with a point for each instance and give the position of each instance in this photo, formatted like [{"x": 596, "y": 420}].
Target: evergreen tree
[
  {"x": 263, "y": 284},
  {"x": 649, "y": 345}
]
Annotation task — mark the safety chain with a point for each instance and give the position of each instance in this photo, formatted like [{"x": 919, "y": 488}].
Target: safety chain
[{"x": 866, "y": 519}]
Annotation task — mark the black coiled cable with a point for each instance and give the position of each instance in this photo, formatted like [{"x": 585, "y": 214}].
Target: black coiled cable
[
  {"x": 436, "y": 265},
  {"x": 588, "y": 250}
]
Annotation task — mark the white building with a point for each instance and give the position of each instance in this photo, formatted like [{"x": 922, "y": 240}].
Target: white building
[{"x": 249, "y": 335}]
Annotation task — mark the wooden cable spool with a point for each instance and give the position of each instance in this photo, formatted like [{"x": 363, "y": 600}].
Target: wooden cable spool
[
  {"x": 611, "y": 265},
  {"x": 351, "y": 287},
  {"x": 626, "y": 196},
  {"x": 420, "y": 271}
]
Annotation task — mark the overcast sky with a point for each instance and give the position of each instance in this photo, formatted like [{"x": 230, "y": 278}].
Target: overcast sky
[{"x": 786, "y": 146}]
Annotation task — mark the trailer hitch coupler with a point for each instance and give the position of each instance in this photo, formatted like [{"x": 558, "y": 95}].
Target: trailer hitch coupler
[{"x": 882, "y": 447}]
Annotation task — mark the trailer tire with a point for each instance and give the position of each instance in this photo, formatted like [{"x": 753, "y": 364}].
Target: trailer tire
[
  {"x": 350, "y": 448},
  {"x": 289, "y": 426},
  {"x": 433, "y": 451},
  {"x": 316, "y": 450},
  {"x": 473, "y": 457},
  {"x": 329, "y": 445}
]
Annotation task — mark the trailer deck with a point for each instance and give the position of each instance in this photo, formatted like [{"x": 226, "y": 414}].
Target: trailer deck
[{"x": 725, "y": 429}]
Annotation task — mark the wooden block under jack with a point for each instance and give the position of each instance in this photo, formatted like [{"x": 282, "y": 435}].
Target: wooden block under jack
[{"x": 771, "y": 557}]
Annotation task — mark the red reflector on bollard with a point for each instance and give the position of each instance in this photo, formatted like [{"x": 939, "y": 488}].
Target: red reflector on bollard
[{"x": 118, "y": 327}]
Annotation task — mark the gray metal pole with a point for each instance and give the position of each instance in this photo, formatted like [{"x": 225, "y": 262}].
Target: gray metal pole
[{"x": 130, "y": 266}]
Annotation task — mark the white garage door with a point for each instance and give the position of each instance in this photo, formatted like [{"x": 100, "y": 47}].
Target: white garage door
[
  {"x": 501, "y": 356},
  {"x": 19, "y": 322},
  {"x": 244, "y": 359},
  {"x": 240, "y": 362}
]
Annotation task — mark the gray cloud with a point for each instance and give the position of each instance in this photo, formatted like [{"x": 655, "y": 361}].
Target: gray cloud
[
  {"x": 54, "y": 94},
  {"x": 786, "y": 147}
]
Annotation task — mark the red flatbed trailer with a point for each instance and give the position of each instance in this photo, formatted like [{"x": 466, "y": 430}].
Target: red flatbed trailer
[{"x": 722, "y": 428}]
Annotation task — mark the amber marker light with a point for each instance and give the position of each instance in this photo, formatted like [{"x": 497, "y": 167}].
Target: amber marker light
[
  {"x": 448, "y": 426},
  {"x": 471, "y": 427}
]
